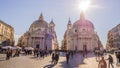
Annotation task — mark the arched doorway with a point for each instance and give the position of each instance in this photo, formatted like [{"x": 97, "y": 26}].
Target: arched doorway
[
  {"x": 37, "y": 46},
  {"x": 84, "y": 47},
  {"x": 84, "y": 50}
]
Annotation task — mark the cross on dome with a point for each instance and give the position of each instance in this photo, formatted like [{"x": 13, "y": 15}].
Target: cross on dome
[{"x": 82, "y": 16}]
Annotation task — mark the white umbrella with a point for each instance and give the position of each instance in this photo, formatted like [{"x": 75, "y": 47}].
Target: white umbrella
[
  {"x": 6, "y": 47},
  {"x": 16, "y": 47},
  {"x": 29, "y": 48}
]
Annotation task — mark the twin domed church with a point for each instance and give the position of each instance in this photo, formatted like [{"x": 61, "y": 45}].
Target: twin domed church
[
  {"x": 81, "y": 35},
  {"x": 40, "y": 35},
  {"x": 78, "y": 35}
]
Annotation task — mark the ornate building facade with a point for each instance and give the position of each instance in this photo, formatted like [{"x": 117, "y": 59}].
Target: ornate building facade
[
  {"x": 6, "y": 33},
  {"x": 40, "y": 35},
  {"x": 81, "y": 35},
  {"x": 114, "y": 38}
]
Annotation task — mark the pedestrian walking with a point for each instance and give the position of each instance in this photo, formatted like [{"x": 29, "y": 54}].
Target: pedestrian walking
[
  {"x": 118, "y": 58},
  {"x": 37, "y": 52},
  {"x": 8, "y": 54},
  {"x": 72, "y": 54},
  {"x": 53, "y": 58},
  {"x": 102, "y": 63},
  {"x": 98, "y": 55},
  {"x": 43, "y": 54},
  {"x": 40, "y": 53},
  {"x": 56, "y": 58},
  {"x": 34, "y": 52},
  {"x": 67, "y": 57},
  {"x": 110, "y": 61},
  {"x": 116, "y": 55},
  {"x": 50, "y": 52}
]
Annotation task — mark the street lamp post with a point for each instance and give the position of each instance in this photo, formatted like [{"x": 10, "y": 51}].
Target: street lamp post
[
  {"x": 28, "y": 38},
  {"x": 27, "y": 41}
]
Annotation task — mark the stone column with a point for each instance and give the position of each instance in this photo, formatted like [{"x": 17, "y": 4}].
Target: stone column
[
  {"x": 92, "y": 45},
  {"x": 43, "y": 43},
  {"x": 41, "y": 46},
  {"x": 79, "y": 44},
  {"x": 33, "y": 41},
  {"x": 39, "y": 43},
  {"x": 73, "y": 44}
]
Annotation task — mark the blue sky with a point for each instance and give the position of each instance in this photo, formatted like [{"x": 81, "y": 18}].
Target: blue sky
[{"x": 21, "y": 13}]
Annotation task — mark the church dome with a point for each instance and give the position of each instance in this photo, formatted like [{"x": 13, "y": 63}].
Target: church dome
[
  {"x": 40, "y": 23},
  {"x": 82, "y": 22}
]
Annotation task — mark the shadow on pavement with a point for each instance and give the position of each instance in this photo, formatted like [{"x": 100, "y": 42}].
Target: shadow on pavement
[
  {"x": 75, "y": 61},
  {"x": 36, "y": 58},
  {"x": 33, "y": 57},
  {"x": 49, "y": 66}
]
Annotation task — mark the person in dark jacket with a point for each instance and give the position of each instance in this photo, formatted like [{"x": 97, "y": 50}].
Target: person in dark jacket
[
  {"x": 110, "y": 61},
  {"x": 67, "y": 57},
  {"x": 53, "y": 58},
  {"x": 56, "y": 58},
  {"x": 8, "y": 54},
  {"x": 118, "y": 57}
]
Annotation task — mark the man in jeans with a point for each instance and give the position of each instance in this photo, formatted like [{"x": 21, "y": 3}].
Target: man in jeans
[
  {"x": 110, "y": 61},
  {"x": 118, "y": 58}
]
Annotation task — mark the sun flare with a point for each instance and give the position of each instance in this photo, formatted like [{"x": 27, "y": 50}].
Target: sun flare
[{"x": 84, "y": 5}]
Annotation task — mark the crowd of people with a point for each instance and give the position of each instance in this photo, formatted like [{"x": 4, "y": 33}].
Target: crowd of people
[
  {"x": 102, "y": 61},
  {"x": 117, "y": 54},
  {"x": 111, "y": 60},
  {"x": 16, "y": 53},
  {"x": 68, "y": 54},
  {"x": 42, "y": 53},
  {"x": 11, "y": 53},
  {"x": 55, "y": 57}
]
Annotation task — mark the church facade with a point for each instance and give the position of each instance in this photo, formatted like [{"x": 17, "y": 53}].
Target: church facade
[
  {"x": 81, "y": 35},
  {"x": 40, "y": 35}
]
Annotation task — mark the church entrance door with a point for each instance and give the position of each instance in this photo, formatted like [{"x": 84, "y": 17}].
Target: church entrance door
[
  {"x": 37, "y": 46},
  {"x": 84, "y": 50}
]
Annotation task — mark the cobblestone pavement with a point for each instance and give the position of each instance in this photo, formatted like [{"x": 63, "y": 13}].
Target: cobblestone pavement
[{"x": 32, "y": 62}]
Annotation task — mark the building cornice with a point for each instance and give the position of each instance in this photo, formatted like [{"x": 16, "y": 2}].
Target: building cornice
[{"x": 6, "y": 24}]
